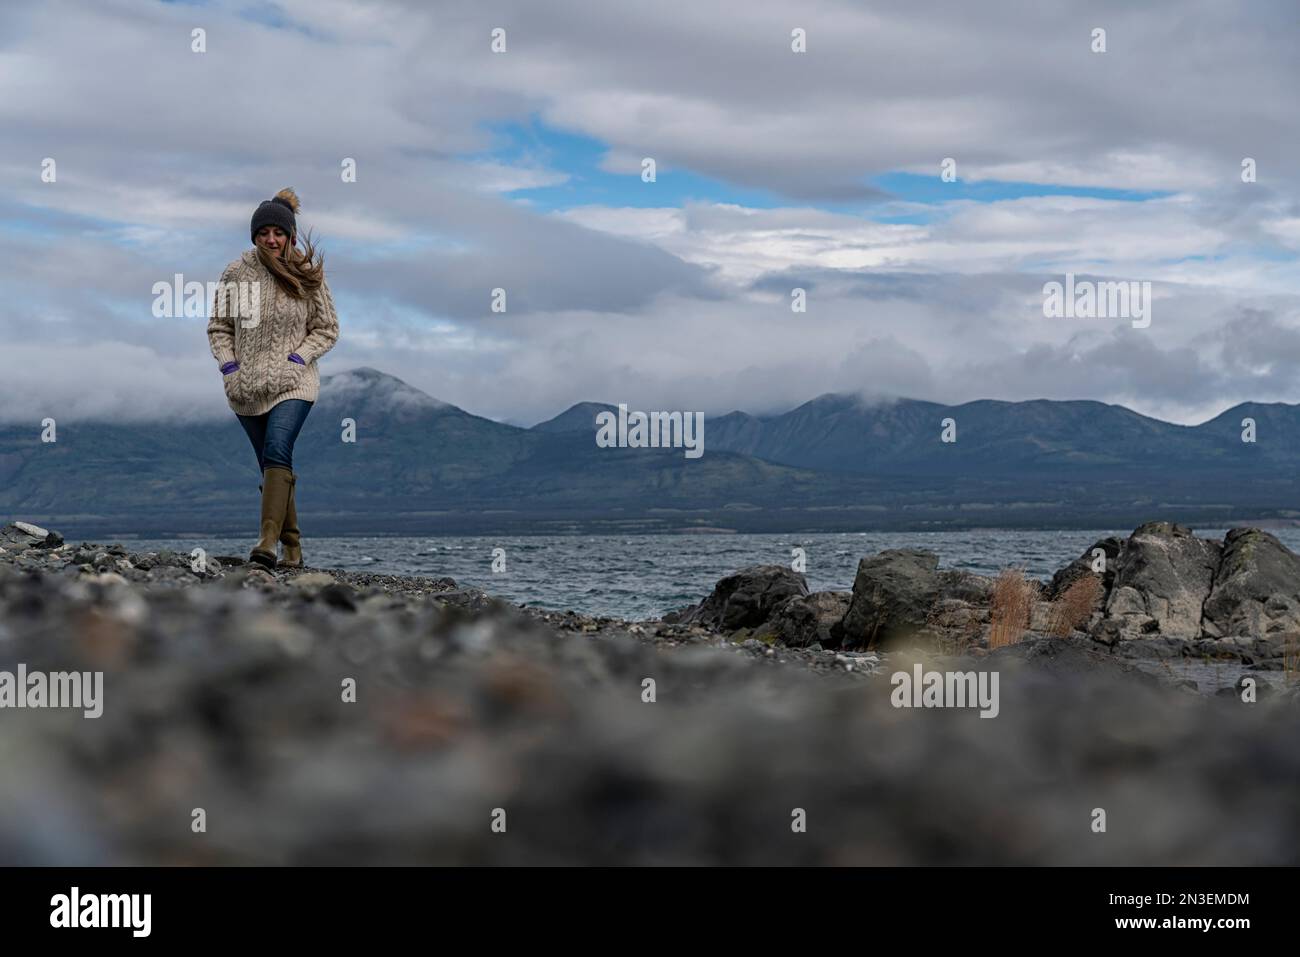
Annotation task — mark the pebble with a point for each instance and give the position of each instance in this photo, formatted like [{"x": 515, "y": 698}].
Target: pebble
[{"x": 312, "y": 580}]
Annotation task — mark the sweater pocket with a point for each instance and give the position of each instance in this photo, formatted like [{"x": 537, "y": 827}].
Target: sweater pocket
[
  {"x": 232, "y": 384},
  {"x": 293, "y": 377}
]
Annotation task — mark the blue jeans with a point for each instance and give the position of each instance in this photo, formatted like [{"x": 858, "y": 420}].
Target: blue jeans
[{"x": 273, "y": 433}]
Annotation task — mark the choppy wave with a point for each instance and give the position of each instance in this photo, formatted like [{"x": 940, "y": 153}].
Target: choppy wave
[{"x": 644, "y": 577}]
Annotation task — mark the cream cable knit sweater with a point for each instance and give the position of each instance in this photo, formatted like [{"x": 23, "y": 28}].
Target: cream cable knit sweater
[{"x": 265, "y": 375}]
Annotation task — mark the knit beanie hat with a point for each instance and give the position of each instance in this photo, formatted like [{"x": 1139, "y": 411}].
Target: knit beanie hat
[{"x": 277, "y": 211}]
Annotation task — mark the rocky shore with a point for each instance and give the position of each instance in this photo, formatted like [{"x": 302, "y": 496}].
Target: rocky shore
[{"x": 318, "y": 716}]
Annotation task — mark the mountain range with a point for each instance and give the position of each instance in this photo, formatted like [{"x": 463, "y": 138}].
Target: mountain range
[{"x": 837, "y": 462}]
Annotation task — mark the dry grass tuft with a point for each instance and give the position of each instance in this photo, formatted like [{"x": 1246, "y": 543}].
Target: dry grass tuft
[
  {"x": 1010, "y": 607},
  {"x": 1074, "y": 606}
]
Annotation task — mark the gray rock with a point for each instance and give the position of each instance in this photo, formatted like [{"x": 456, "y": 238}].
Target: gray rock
[
  {"x": 808, "y": 619},
  {"x": 900, "y": 596},
  {"x": 1163, "y": 576},
  {"x": 1164, "y": 582},
  {"x": 1256, "y": 589},
  {"x": 1066, "y": 656},
  {"x": 248, "y": 575},
  {"x": 749, "y": 598},
  {"x": 1237, "y": 691},
  {"x": 169, "y": 573},
  {"x": 339, "y": 595},
  {"x": 312, "y": 580},
  {"x": 105, "y": 578},
  {"x": 893, "y": 593},
  {"x": 1083, "y": 565},
  {"x": 678, "y": 615}
]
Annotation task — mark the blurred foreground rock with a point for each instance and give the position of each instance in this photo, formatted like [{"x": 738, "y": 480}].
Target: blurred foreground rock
[{"x": 226, "y": 688}]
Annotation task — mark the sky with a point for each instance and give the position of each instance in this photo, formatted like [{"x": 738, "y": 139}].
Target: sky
[{"x": 481, "y": 169}]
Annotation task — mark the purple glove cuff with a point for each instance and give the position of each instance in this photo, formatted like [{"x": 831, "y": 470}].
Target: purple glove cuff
[
  {"x": 294, "y": 357},
  {"x": 229, "y": 367}
]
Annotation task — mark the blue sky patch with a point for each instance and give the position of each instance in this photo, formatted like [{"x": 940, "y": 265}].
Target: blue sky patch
[{"x": 578, "y": 157}]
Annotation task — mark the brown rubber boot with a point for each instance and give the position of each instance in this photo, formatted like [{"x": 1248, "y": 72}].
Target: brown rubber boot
[
  {"x": 276, "y": 483},
  {"x": 290, "y": 537}
]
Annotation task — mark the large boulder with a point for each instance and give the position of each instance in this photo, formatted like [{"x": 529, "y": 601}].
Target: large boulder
[
  {"x": 895, "y": 597},
  {"x": 893, "y": 593},
  {"x": 1086, "y": 564},
  {"x": 749, "y": 598},
  {"x": 1163, "y": 576},
  {"x": 1256, "y": 590},
  {"x": 808, "y": 619},
  {"x": 17, "y": 536}
]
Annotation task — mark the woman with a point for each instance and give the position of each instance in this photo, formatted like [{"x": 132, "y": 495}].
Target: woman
[{"x": 266, "y": 332}]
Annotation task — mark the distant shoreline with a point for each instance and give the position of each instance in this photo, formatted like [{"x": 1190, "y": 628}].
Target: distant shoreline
[{"x": 597, "y": 529}]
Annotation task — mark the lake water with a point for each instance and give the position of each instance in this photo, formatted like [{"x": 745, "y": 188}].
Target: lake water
[{"x": 644, "y": 576}]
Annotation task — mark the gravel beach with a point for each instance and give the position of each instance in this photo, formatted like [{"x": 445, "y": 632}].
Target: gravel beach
[{"x": 315, "y": 716}]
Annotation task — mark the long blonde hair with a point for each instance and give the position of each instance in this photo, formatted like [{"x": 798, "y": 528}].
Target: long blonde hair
[{"x": 299, "y": 272}]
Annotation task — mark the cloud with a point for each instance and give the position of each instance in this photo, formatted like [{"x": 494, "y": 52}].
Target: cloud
[{"x": 162, "y": 153}]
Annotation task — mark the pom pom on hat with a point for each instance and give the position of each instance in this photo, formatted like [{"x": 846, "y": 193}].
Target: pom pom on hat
[{"x": 278, "y": 211}]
